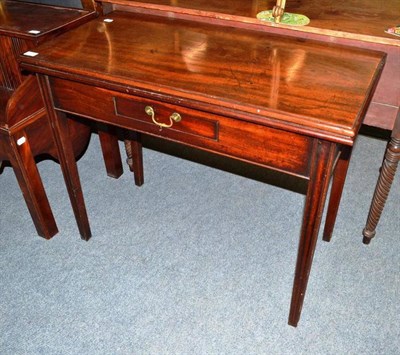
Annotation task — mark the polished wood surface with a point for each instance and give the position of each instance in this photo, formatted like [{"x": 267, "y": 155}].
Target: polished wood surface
[
  {"x": 359, "y": 23},
  {"x": 288, "y": 104},
  {"x": 247, "y": 71},
  {"x": 360, "y": 19}
]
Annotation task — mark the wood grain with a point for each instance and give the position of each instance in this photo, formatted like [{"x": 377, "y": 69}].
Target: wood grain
[{"x": 254, "y": 74}]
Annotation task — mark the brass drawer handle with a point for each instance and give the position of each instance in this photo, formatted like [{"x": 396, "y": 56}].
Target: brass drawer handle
[{"x": 175, "y": 117}]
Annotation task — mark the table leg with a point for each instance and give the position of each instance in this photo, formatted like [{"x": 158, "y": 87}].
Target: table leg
[
  {"x": 59, "y": 123},
  {"x": 31, "y": 185},
  {"x": 111, "y": 154},
  {"x": 134, "y": 152},
  {"x": 322, "y": 163},
  {"x": 386, "y": 176},
  {"x": 338, "y": 180}
]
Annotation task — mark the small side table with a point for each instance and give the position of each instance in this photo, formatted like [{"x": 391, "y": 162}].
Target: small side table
[{"x": 385, "y": 180}]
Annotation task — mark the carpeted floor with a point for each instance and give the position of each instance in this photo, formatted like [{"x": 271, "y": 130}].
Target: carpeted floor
[{"x": 196, "y": 261}]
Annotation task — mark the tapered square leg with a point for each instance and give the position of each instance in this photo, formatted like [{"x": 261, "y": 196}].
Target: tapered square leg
[
  {"x": 111, "y": 154},
  {"x": 339, "y": 178},
  {"x": 59, "y": 124},
  {"x": 322, "y": 163}
]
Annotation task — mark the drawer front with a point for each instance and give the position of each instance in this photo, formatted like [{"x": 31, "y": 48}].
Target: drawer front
[
  {"x": 187, "y": 122},
  {"x": 239, "y": 139}
]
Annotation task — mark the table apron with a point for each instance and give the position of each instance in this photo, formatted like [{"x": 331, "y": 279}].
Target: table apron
[{"x": 247, "y": 141}]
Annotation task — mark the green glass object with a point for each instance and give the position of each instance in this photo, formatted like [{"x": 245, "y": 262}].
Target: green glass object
[{"x": 287, "y": 18}]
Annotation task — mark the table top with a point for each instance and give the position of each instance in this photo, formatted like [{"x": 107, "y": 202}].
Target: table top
[
  {"x": 29, "y": 20},
  {"x": 253, "y": 75},
  {"x": 364, "y": 20}
]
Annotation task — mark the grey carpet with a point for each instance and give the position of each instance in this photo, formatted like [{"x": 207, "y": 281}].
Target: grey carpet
[{"x": 196, "y": 261}]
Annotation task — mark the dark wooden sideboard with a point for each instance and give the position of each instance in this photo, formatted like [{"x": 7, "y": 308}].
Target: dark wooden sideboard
[{"x": 279, "y": 102}]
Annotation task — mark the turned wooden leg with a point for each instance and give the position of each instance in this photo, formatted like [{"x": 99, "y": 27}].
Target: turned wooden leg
[
  {"x": 128, "y": 150},
  {"x": 386, "y": 176},
  {"x": 111, "y": 154},
  {"x": 58, "y": 123},
  {"x": 338, "y": 180},
  {"x": 134, "y": 152},
  {"x": 316, "y": 192},
  {"x": 31, "y": 185}
]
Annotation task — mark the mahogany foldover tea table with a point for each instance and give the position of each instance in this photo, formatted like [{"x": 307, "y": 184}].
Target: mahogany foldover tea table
[
  {"x": 359, "y": 23},
  {"x": 283, "y": 103}
]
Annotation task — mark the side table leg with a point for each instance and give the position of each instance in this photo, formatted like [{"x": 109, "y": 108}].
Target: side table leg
[
  {"x": 59, "y": 124},
  {"x": 386, "y": 176},
  {"x": 323, "y": 160},
  {"x": 338, "y": 180},
  {"x": 111, "y": 154}
]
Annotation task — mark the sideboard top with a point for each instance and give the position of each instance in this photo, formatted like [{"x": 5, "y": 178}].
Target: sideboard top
[{"x": 365, "y": 20}]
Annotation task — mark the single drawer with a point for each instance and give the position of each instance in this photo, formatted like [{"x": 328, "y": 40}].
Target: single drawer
[
  {"x": 240, "y": 139},
  {"x": 184, "y": 121}
]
